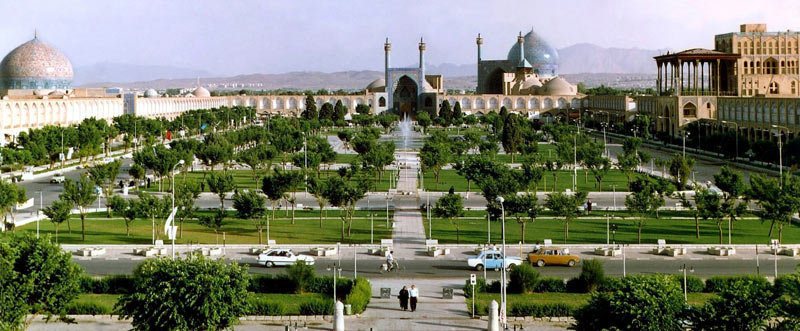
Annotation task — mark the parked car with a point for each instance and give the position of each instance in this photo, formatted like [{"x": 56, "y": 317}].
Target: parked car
[
  {"x": 57, "y": 179},
  {"x": 492, "y": 259},
  {"x": 282, "y": 257},
  {"x": 552, "y": 255}
]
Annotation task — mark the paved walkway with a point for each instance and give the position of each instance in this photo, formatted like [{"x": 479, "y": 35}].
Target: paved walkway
[{"x": 409, "y": 232}]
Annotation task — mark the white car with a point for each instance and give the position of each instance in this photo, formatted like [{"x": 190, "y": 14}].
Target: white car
[
  {"x": 492, "y": 259},
  {"x": 282, "y": 257},
  {"x": 57, "y": 179}
]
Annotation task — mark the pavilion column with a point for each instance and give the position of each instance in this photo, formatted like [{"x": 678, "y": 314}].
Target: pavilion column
[
  {"x": 703, "y": 69},
  {"x": 696, "y": 64},
  {"x": 678, "y": 78},
  {"x": 718, "y": 80},
  {"x": 658, "y": 80}
]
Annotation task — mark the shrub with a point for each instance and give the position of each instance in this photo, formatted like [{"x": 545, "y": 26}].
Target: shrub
[
  {"x": 693, "y": 283},
  {"x": 324, "y": 285},
  {"x": 317, "y": 307},
  {"x": 787, "y": 284},
  {"x": 269, "y": 284},
  {"x": 87, "y": 308},
  {"x": 550, "y": 284},
  {"x": 266, "y": 307},
  {"x": 592, "y": 274},
  {"x": 721, "y": 283},
  {"x": 610, "y": 284},
  {"x": 494, "y": 287},
  {"x": 480, "y": 287},
  {"x": 86, "y": 284},
  {"x": 359, "y": 295},
  {"x": 540, "y": 309},
  {"x": 300, "y": 276},
  {"x": 523, "y": 279},
  {"x": 575, "y": 285},
  {"x": 743, "y": 304},
  {"x": 119, "y": 284}
]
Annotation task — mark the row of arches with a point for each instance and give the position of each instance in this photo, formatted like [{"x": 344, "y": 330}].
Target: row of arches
[
  {"x": 767, "y": 112},
  {"x": 520, "y": 103},
  {"x": 29, "y": 114},
  {"x": 172, "y": 107},
  {"x": 293, "y": 102}
]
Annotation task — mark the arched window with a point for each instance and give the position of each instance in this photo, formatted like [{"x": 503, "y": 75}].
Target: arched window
[
  {"x": 770, "y": 66},
  {"x": 746, "y": 67},
  {"x": 773, "y": 88},
  {"x": 382, "y": 102},
  {"x": 690, "y": 110}
]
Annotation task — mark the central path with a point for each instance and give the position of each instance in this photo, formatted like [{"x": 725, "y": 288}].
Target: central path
[{"x": 409, "y": 232}]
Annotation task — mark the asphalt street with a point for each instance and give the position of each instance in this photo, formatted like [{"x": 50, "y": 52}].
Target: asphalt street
[{"x": 430, "y": 268}]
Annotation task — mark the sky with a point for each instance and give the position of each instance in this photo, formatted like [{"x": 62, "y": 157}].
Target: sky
[{"x": 241, "y": 36}]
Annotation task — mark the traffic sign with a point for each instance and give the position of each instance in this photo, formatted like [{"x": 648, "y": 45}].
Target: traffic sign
[{"x": 472, "y": 279}]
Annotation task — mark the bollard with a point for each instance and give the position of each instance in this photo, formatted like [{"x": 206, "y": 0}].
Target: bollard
[
  {"x": 338, "y": 317},
  {"x": 494, "y": 320}
]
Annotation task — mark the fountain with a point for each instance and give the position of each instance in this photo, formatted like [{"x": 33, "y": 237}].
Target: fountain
[{"x": 405, "y": 129}]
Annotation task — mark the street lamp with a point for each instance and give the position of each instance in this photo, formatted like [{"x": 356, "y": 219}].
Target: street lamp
[
  {"x": 180, "y": 162},
  {"x": 736, "y": 137},
  {"x": 605, "y": 143},
  {"x": 685, "y": 134},
  {"x": 503, "y": 265},
  {"x": 335, "y": 268},
  {"x": 684, "y": 269},
  {"x": 779, "y": 134}
]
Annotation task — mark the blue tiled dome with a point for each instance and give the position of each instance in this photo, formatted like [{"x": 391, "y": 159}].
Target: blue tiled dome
[
  {"x": 36, "y": 65},
  {"x": 542, "y": 57}
]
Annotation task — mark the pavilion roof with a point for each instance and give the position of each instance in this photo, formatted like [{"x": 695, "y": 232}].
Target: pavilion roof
[{"x": 697, "y": 53}]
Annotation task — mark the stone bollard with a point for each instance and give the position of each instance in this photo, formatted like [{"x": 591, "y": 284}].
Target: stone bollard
[
  {"x": 338, "y": 316},
  {"x": 494, "y": 319}
]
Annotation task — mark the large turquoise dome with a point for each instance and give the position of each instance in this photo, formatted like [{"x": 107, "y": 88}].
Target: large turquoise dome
[
  {"x": 542, "y": 57},
  {"x": 36, "y": 65}
]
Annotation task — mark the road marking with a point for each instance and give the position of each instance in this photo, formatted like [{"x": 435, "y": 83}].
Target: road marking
[
  {"x": 642, "y": 258},
  {"x": 112, "y": 258},
  {"x": 695, "y": 258}
]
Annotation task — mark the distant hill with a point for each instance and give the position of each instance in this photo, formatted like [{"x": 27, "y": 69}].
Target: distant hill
[
  {"x": 123, "y": 73},
  {"x": 588, "y": 63}
]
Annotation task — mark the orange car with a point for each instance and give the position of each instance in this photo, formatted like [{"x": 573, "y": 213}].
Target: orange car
[{"x": 552, "y": 255}]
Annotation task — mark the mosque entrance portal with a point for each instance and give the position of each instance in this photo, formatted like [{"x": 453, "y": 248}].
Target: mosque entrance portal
[{"x": 405, "y": 96}]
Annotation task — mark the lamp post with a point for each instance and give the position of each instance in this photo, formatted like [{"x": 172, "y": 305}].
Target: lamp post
[
  {"x": 779, "y": 134},
  {"x": 605, "y": 143},
  {"x": 336, "y": 269},
  {"x": 736, "y": 137},
  {"x": 684, "y": 269},
  {"x": 685, "y": 134},
  {"x": 180, "y": 162},
  {"x": 614, "y": 195},
  {"x": 503, "y": 265}
]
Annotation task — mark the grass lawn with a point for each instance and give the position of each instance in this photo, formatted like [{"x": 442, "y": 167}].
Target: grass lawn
[
  {"x": 593, "y": 231},
  {"x": 586, "y": 183},
  {"x": 244, "y": 180},
  {"x": 573, "y": 299},
  {"x": 101, "y": 230},
  {"x": 292, "y": 301}
]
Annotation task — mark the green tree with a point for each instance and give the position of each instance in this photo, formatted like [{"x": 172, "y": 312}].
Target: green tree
[
  {"x": 565, "y": 206},
  {"x": 185, "y": 196},
  {"x": 532, "y": 172},
  {"x": 445, "y": 113},
  {"x": 345, "y": 136},
  {"x": 434, "y": 155},
  {"x": 317, "y": 188},
  {"x": 450, "y": 207},
  {"x": 685, "y": 203},
  {"x": 523, "y": 279},
  {"x": 643, "y": 200},
  {"x": 104, "y": 175},
  {"x": 81, "y": 194},
  {"x": 732, "y": 185},
  {"x": 58, "y": 212},
  {"x": 592, "y": 157},
  {"x": 681, "y": 168},
  {"x": 119, "y": 206},
  {"x": 186, "y": 294},
  {"x": 220, "y": 184},
  {"x": 424, "y": 120},
  {"x": 300, "y": 275},
  {"x": 137, "y": 172},
  {"x": 36, "y": 277},
  {"x": 524, "y": 208},
  {"x": 213, "y": 222},
  {"x": 779, "y": 199},
  {"x": 10, "y": 195},
  {"x": 652, "y": 302},
  {"x": 310, "y": 111},
  {"x": 743, "y": 305},
  {"x": 345, "y": 194},
  {"x": 511, "y": 136},
  {"x": 275, "y": 186},
  {"x": 250, "y": 206}
]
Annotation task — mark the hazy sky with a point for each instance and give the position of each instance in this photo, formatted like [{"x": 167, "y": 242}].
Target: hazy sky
[{"x": 235, "y": 37}]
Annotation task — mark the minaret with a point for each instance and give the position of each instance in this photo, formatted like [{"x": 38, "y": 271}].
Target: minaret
[
  {"x": 387, "y": 48},
  {"x": 479, "y": 41},
  {"x": 421, "y": 83},
  {"x": 521, "y": 43}
]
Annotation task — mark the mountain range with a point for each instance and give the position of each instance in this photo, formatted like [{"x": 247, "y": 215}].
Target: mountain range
[{"x": 588, "y": 63}]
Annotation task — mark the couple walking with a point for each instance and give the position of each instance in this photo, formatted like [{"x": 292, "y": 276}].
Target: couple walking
[{"x": 406, "y": 294}]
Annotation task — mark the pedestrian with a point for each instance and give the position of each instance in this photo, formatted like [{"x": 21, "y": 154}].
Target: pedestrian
[
  {"x": 403, "y": 296},
  {"x": 202, "y": 186},
  {"x": 588, "y": 206},
  {"x": 413, "y": 293}
]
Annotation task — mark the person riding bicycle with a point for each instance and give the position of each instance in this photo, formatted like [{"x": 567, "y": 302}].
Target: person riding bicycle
[{"x": 389, "y": 261}]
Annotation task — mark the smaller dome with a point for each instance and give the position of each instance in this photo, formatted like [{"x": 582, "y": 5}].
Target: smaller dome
[
  {"x": 378, "y": 85},
  {"x": 559, "y": 86},
  {"x": 41, "y": 92},
  {"x": 531, "y": 82},
  {"x": 201, "y": 92},
  {"x": 150, "y": 93}
]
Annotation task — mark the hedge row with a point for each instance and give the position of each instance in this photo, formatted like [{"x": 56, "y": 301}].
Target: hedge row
[
  {"x": 359, "y": 295},
  {"x": 115, "y": 284},
  {"x": 531, "y": 309},
  {"x": 610, "y": 284}
]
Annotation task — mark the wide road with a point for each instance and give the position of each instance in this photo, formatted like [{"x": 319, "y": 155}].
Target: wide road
[{"x": 427, "y": 268}]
